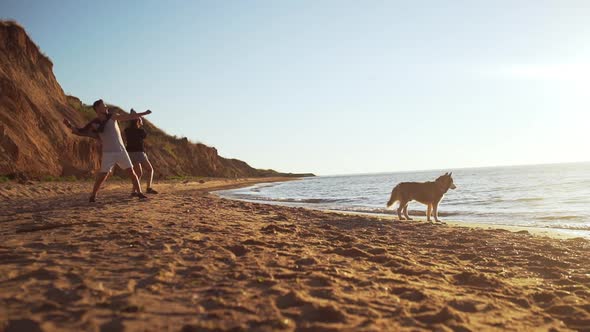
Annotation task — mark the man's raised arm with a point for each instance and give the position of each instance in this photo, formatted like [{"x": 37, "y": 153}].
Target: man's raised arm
[{"x": 128, "y": 117}]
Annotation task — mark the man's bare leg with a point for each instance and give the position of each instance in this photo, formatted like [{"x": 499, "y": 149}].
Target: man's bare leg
[
  {"x": 150, "y": 177},
  {"x": 138, "y": 172},
  {"x": 135, "y": 181},
  {"x": 100, "y": 179}
]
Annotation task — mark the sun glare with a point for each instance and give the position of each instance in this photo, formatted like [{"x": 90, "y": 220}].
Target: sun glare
[{"x": 562, "y": 72}]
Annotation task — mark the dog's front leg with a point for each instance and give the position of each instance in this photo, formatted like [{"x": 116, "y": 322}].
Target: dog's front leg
[
  {"x": 435, "y": 210},
  {"x": 428, "y": 212}
]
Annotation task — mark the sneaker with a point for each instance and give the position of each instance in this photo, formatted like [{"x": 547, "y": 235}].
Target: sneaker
[
  {"x": 141, "y": 196},
  {"x": 133, "y": 194},
  {"x": 151, "y": 191}
]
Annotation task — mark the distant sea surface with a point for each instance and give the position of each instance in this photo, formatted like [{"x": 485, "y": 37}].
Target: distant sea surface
[{"x": 542, "y": 196}]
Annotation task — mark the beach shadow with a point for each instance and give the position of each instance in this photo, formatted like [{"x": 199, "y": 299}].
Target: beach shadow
[
  {"x": 75, "y": 201},
  {"x": 52, "y": 226}
]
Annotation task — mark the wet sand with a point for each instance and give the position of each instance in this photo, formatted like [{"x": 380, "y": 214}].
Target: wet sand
[
  {"x": 556, "y": 233},
  {"x": 187, "y": 260}
]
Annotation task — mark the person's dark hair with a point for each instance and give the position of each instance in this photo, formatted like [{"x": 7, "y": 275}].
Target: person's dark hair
[
  {"x": 96, "y": 103},
  {"x": 134, "y": 123}
]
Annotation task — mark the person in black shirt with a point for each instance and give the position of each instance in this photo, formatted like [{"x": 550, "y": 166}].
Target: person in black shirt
[
  {"x": 105, "y": 128},
  {"x": 134, "y": 135}
]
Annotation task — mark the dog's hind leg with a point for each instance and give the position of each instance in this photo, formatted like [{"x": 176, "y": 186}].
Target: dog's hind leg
[
  {"x": 402, "y": 204},
  {"x": 428, "y": 212},
  {"x": 406, "y": 212}
]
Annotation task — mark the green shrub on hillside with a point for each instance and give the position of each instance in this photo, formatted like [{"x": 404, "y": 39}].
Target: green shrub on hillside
[
  {"x": 200, "y": 179},
  {"x": 49, "y": 178},
  {"x": 86, "y": 110}
]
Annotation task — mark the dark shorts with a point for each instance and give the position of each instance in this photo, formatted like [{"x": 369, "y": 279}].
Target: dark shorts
[{"x": 138, "y": 157}]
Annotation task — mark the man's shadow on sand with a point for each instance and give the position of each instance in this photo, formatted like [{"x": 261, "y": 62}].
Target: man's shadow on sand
[{"x": 49, "y": 208}]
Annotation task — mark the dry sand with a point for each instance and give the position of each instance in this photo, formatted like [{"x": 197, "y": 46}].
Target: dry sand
[{"x": 189, "y": 261}]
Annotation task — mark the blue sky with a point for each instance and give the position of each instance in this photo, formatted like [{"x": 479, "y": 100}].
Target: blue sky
[{"x": 335, "y": 87}]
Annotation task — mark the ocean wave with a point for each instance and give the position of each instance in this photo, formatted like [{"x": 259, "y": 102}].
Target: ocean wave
[
  {"x": 312, "y": 200},
  {"x": 479, "y": 202},
  {"x": 374, "y": 210},
  {"x": 573, "y": 228},
  {"x": 529, "y": 199},
  {"x": 553, "y": 218},
  {"x": 258, "y": 188},
  {"x": 289, "y": 200},
  {"x": 490, "y": 201}
]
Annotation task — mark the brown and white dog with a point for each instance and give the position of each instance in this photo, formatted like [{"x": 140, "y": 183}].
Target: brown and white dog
[{"x": 428, "y": 193}]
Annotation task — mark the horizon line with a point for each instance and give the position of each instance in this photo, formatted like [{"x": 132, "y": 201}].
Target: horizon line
[{"x": 458, "y": 168}]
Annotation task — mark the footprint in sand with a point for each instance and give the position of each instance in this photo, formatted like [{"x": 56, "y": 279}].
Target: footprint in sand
[
  {"x": 291, "y": 299},
  {"x": 273, "y": 229},
  {"x": 467, "y": 305},
  {"x": 324, "y": 293},
  {"x": 307, "y": 261},
  {"x": 238, "y": 250},
  {"x": 445, "y": 315},
  {"x": 115, "y": 325},
  {"x": 19, "y": 325},
  {"x": 474, "y": 279},
  {"x": 39, "y": 274},
  {"x": 350, "y": 252},
  {"x": 317, "y": 312},
  {"x": 409, "y": 294},
  {"x": 252, "y": 242},
  {"x": 309, "y": 310},
  {"x": 61, "y": 296}
]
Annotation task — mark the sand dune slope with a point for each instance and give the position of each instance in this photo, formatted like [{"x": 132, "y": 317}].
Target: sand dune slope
[{"x": 189, "y": 261}]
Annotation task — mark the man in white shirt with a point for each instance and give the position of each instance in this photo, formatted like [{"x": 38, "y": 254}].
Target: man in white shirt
[{"x": 105, "y": 126}]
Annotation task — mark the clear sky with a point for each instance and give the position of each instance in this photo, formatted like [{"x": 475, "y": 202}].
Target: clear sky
[{"x": 336, "y": 87}]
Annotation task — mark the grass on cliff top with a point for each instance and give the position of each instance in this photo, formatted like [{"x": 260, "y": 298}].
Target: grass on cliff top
[
  {"x": 86, "y": 110},
  {"x": 50, "y": 178},
  {"x": 187, "y": 178},
  {"x": 12, "y": 23}
]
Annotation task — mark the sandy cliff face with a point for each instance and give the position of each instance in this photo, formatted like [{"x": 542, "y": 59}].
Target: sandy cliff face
[
  {"x": 34, "y": 142},
  {"x": 32, "y": 104}
]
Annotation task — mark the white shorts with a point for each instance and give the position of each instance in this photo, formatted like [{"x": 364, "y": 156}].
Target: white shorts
[{"x": 109, "y": 159}]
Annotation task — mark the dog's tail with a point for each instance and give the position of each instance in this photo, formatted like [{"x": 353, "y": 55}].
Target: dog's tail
[{"x": 393, "y": 198}]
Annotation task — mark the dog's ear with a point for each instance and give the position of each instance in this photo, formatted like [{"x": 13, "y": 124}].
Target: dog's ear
[{"x": 450, "y": 173}]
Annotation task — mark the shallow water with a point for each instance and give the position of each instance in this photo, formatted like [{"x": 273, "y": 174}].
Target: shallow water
[{"x": 546, "y": 196}]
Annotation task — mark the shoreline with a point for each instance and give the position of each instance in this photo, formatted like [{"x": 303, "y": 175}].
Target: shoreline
[
  {"x": 188, "y": 260},
  {"x": 557, "y": 233}
]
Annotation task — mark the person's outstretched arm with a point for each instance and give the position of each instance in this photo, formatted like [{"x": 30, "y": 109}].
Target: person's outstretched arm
[
  {"x": 83, "y": 131},
  {"x": 128, "y": 117}
]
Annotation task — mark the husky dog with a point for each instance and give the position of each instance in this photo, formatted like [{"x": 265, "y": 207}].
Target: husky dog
[{"x": 427, "y": 193}]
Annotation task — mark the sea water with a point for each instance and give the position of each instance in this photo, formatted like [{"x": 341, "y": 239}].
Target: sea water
[{"x": 541, "y": 196}]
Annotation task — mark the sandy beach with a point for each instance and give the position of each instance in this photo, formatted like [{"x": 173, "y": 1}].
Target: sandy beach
[{"x": 187, "y": 260}]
